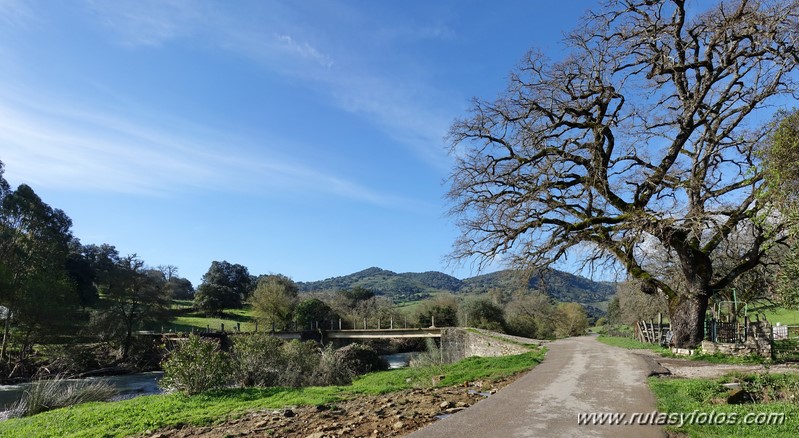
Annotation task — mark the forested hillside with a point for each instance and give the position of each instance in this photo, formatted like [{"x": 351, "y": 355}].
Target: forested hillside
[{"x": 411, "y": 286}]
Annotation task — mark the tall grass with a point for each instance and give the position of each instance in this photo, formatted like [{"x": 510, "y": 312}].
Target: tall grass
[{"x": 45, "y": 395}]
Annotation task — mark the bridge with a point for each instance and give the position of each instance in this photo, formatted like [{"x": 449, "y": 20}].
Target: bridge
[
  {"x": 325, "y": 335},
  {"x": 432, "y": 332}
]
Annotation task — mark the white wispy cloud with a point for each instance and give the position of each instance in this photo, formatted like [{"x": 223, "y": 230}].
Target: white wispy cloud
[
  {"x": 47, "y": 143},
  {"x": 402, "y": 108},
  {"x": 305, "y": 50}
]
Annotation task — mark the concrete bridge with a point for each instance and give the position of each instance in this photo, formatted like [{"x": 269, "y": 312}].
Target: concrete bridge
[
  {"x": 326, "y": 335},
  {"x": 433, "y": 332}
]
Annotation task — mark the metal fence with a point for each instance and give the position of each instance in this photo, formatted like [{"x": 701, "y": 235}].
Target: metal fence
[{"x": 785, "y": 343}]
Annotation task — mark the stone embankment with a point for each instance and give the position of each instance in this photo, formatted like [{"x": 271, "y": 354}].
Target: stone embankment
[{"x": 463, "y": 343}]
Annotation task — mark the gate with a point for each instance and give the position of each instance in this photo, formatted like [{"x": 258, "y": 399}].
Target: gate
[{"x": 726, "y": 332}]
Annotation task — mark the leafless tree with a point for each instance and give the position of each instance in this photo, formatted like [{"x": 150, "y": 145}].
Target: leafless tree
[{"x": 643, "y": 138}]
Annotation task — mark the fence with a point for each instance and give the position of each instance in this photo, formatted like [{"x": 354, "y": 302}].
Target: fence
[
  {"x": 651, "y": 332},
  {"x": 785, "y": 343}
]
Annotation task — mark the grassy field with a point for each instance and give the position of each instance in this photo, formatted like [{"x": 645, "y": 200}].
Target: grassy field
[
  {"x": 148, "y": 413},
  {"x": 783, "y": 316},
  {"x": 705, "y": 396},
  {"x": 195, "y": 321}
]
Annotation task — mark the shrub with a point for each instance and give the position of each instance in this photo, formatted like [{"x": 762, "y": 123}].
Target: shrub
[
  {"x": 332, "y": 369},
  {"x": 361, "y": 359},
  {"x": 481, "y": 312},
  {"x": 45, "y": 395},
  {"x": 258, "y": 359},
  {"x": 301, "y": 359},
  {"x": 196, "y": 366}
]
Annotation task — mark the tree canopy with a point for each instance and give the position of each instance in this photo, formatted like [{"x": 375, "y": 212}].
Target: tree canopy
[
  {"x": 224, "y": 286},
  {"x": 642, "y": 139}
]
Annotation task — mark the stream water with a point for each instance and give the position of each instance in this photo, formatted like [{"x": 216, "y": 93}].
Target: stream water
[
  {"x": 399, "y": 360},
  {"x": 128, "y": 385}
]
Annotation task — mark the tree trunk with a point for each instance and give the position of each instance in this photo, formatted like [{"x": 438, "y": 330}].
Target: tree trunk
[
  {"x": 687, "y": 315},
  {"x": 6, "y": 329}
]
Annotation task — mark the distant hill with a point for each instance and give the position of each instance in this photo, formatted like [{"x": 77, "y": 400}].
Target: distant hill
[
  {"x": 560, "y": 285},
  {"x": 412, "y": 286},
  {"x": 409, "y": 286}
]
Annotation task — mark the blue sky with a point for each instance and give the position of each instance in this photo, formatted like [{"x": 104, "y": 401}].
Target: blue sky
[{"x": 299, "y": 137}]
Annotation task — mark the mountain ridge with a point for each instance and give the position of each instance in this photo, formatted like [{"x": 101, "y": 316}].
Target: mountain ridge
[{"x": 413, "y": 286}]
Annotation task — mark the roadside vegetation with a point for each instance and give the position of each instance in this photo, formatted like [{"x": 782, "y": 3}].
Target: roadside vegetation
[
  {"x": 758, "y": 395},
  {"x": 149, "y": 413}
]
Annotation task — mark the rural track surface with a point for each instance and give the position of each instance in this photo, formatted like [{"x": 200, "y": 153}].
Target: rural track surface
[{"x": 579, "y": 375}]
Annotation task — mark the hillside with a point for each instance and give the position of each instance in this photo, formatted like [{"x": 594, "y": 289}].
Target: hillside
[{"x": 412, "y": 286}]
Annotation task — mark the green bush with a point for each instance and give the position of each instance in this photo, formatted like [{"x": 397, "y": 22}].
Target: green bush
[
  {"x": 361, "y": 359},
  {"x": 301, "y": 360},
  {"x": 196, "y": 366},
  {"x": 45, "y": 395},
  {"x": 258, "y": 360}
]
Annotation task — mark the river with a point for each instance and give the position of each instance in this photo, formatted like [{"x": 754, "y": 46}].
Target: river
[
  {"x": 399, "y": 360},
  {"x": 128, "y": 385}
]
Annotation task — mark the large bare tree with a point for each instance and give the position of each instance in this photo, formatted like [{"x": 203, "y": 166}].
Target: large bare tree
[{"x": 643, "y": 139}]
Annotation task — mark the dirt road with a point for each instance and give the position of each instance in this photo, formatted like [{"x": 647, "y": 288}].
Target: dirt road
[{"x": 579, "y": 375}]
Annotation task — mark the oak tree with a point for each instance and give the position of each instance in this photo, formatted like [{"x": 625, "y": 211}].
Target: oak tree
[{"x": 642, "y": 139}]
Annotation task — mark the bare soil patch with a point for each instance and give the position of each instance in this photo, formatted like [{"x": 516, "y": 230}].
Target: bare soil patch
[{"x": 388, "y": 415}]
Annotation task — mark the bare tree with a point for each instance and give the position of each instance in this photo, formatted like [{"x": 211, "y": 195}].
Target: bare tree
[{"x": 644, "y": 138}]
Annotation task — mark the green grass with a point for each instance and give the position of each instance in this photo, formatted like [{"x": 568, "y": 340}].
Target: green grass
[
  {"x": 199, "y": 321},
  {"x": 775, "y": 315},
  {"x": 703, "y": 395},
  {"x": 632, "y": 344},
  {"x": 148, "y": 413}
]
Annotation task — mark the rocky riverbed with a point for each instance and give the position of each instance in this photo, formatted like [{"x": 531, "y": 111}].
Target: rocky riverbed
[{"x": 388, "y": 415}]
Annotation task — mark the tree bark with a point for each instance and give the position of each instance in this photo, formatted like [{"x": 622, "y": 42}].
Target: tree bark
[{"x": 687, "y": 313}]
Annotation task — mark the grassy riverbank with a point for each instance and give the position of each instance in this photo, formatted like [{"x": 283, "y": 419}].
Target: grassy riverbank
[{"x": 149, "y": 413}]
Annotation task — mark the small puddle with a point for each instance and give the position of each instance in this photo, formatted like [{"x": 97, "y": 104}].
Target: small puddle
[{"x": 483, "y": 393}]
